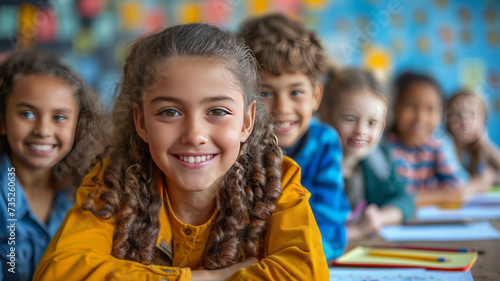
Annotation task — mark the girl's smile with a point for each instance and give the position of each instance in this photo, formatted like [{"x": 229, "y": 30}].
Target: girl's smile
[
  {"x": 195, "y": 161},
  {"x": 41, "y": 119},
  {"x": 194, "y": 122}
]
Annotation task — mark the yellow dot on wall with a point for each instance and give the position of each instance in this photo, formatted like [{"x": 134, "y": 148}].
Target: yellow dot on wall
[
  {"x": 423, "y": 44},
  {"x": 27, "y": 28},
  {"x": 316, "y": 4},
  {"x": 465, "y": 36},
  {"x": 441, "y": 3},
  {"x": 397, "y": 20},
  {"x": 130, "y": 14},
  {"x": 465, "y": 15},
  {"x": 190, "y": 13},
  {"x": 490, "y": 16},
  {"x": 378, "y": 61},
  {"x": 449, "y": 58},
  {"x": 420, "y": 16},
  {"x": 493, "y": 37},
  {"x": 257, "y": 7}
]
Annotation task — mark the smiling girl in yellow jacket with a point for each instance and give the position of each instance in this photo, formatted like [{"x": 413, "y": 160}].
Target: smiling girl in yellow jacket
[{"x": 196, "y": 188}]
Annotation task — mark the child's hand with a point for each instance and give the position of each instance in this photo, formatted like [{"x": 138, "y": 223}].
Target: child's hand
[
  {"x": 371, "y": 221},
  {"x": 221, "y": 274}
]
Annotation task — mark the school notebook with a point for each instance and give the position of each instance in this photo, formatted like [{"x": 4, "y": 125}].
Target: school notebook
[{"x": 394, "y": 257}]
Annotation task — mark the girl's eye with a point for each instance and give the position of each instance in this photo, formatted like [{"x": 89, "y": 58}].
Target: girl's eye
[
  {"x": 217, "y": 112},
  {"x": 266, "y": 94},
  {"x": 372, "y": 123},
  {"x": 296, "y": 93},
  {"x": 169, "y": 112},
  {"x": 350, "y": 119},
  {"x": 28, "y": 114},
  {"x": 60, "y": 118}
]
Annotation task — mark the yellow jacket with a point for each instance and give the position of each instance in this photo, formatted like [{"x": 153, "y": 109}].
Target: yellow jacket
[{"x": 292, "y": 247}]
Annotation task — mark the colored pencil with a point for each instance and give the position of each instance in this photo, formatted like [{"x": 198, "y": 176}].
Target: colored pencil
[
  {"x": 459, "y": 250},
  {"x": 407, "y": 256}
]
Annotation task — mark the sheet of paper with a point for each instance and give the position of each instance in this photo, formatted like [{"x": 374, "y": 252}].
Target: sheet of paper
[
  {"x": 490, "y": 199},
  {"x": 340, "y": 274},
  {"x": 360, "y": 256},
  {"x": 452, "y": 232},
  {"x": 468, "y": 212}
]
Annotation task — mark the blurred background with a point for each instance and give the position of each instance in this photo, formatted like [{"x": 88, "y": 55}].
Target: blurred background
[{"x": 455, "y": 41}]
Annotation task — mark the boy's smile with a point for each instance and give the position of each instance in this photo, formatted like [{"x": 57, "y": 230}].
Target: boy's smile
[{"x": 291, "y": 99}]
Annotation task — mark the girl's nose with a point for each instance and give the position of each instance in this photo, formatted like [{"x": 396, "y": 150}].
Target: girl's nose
[
  {"x": 194, "y": 132},
  {"x": 360, "y": 129},
  {"x": 43, "y": 127}
]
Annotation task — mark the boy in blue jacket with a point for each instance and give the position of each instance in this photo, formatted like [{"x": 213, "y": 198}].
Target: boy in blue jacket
[{"x": 291, "y": 59}]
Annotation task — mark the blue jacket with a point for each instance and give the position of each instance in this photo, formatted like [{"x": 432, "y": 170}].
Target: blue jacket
[{"x": 319, "y": 155}]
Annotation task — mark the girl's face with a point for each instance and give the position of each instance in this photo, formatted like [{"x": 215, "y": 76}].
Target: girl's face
[
  {"x": 465, "y": 120},
  {"x": 360, "y": 121},
  {"x": 418, "y": 113},
  {"x": 40, "y": 121},
  {"x": 194, "y": 121}
]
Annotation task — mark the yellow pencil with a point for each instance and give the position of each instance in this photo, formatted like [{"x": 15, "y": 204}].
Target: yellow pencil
[{"x": 406, "y": 256}]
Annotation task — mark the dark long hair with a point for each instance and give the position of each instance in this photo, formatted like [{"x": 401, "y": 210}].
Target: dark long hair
[{"x": 248, "y": 194}]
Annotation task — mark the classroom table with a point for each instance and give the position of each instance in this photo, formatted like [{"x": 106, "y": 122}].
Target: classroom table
[{"x": 486, "y": 267}]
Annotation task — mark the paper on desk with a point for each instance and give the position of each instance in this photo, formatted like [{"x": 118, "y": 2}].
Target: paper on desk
[
  {"x": 452, "y": 232},
  {"x": 485, "y": 199},
  {"x": 430, "y": 213},
  {"x": 341, "y": 274}
]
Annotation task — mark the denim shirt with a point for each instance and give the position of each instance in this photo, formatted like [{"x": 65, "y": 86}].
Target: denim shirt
[{"x": 31, "y": 236}]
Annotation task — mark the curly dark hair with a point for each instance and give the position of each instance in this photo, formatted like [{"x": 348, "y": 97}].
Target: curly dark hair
[
  {"x": 248, "y": 194},
  {"x": 92, "y": 127},
  {"x": 282, "y": 45}
]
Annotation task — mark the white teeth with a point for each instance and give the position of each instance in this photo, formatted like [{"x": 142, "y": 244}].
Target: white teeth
[
  {"x": 41, "y": 147},
  {"x": 358, "y": 142},
  {"x": 284, "y": 125},
  {"x": 195, "y": 159}
]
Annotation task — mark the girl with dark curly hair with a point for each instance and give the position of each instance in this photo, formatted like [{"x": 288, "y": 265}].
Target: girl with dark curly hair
[
  {"x": 51, "y": 130},
  {"x": 196, "y": 187}
]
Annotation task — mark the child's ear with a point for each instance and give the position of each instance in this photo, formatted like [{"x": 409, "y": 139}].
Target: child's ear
[
  {"x": 248, "y": 121},
  {"x": 140, "y": 125},
  {"x": 317, "y": 95}
]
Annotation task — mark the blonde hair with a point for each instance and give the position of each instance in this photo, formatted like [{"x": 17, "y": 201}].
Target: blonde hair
[{"x": 344, "y": 82}]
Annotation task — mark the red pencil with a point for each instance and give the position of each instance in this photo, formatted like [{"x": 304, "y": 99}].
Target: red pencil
[{"x": 459, "y": 250}]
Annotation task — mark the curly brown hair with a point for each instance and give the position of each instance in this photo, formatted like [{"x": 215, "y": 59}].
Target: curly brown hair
[
  {"x": 248, "y": 194},
  {"x": 282, "y": 45},
  {"x": 92, "y": 127}
]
